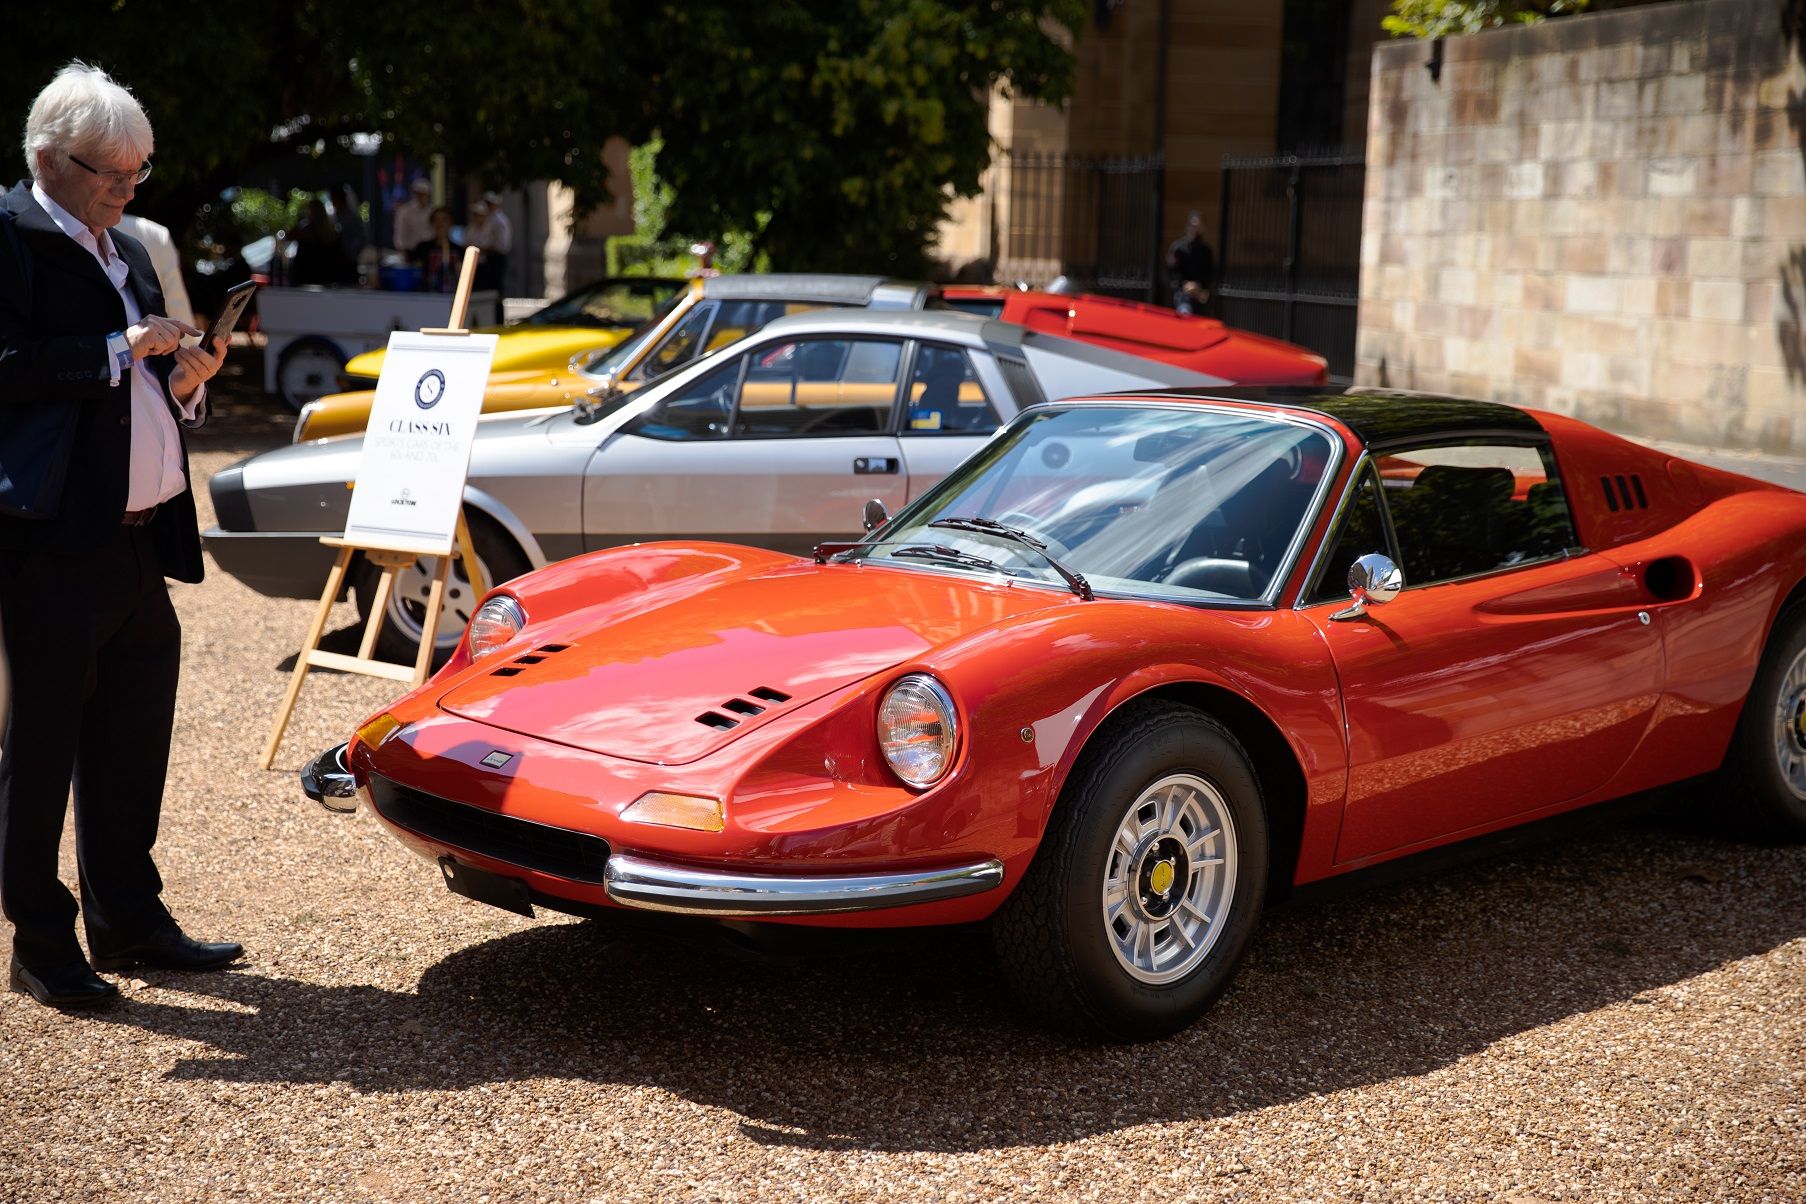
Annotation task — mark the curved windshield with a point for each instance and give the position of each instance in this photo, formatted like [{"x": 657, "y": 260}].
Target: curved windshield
[
  {"x": 608, "y": 361},
  {"x": 608, "y": 304},
  {"x": 1170, "y": 502}
]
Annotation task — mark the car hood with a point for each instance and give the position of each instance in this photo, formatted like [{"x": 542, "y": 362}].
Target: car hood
[
  {"x": 523, "y": 348},
  {"x": 678, "y": 681}
]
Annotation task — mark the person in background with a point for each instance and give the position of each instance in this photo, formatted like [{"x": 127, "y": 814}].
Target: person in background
[
  {"x": 354, "y": 235},
  {"x": 318, "y": 257},
  {"x": 1191, "y": 267},
  {"x": 441, "y": 256},
  {"x": 491, "y": 233},
  {"x": 413, "y": 218},
  {"x": 93, "y": 644},
  {"x": 162, "y": 250}
]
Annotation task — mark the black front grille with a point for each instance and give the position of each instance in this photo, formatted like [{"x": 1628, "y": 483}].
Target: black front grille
[{"x": 535, "y": 846}]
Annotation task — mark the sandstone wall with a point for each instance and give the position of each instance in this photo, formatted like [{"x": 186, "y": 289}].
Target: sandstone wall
[{"x": 1601, "y": 215}]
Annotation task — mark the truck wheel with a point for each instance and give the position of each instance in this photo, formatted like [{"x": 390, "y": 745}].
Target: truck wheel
[
  {"x": 306, "y": 369},
  {"x": 1148, "y": 882},
  {"x": 1767, "y": 761},
  {"x": 399, "y": 640}
]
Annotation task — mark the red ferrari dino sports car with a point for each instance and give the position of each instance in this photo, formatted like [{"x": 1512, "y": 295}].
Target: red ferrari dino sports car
[{"x": 1135, "y": 664}]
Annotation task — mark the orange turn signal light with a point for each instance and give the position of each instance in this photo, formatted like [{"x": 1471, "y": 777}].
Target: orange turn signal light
[
  {"x": 379, "y": 731},
  {"x": 676, "y": 811}
]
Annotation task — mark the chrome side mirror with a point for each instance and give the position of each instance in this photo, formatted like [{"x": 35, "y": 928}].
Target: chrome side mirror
[
  {"x": 1373, "y": 579},
  {"x": 875, "y": 514}
]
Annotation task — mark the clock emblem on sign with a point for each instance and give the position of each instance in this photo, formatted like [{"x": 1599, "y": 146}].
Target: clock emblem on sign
[{"x": 429, "y": 388}]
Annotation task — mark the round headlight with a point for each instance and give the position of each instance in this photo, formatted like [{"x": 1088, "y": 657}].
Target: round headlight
[
  {"x": 918, "y": 729},
  {"x": 495, "y": 624}
]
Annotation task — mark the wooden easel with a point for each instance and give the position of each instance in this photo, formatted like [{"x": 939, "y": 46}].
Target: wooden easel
[{"x": 390, "y": 559}]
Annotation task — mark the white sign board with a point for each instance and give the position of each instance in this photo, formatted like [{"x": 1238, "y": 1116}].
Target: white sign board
[{"x": 410, "y": 482}]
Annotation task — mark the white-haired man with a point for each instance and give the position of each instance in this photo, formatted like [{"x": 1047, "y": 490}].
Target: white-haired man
[{"x": 92, "y": 639}]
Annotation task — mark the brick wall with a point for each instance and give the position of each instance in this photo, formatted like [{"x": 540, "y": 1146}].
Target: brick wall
[{"x": 1601, "y": 215}]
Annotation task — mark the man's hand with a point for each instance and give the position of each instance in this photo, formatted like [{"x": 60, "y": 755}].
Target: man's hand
[
  {"x": 195, "y": 366},
  {"x": 157, "y": 335}
]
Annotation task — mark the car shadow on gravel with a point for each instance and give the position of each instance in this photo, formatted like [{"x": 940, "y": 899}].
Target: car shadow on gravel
[{"x": 914, "y": 1043}]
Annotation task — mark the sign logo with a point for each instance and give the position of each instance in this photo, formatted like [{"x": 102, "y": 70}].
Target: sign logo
[
  {"x": 429, "y": 388},
  {"x": 497, "y": 759}
]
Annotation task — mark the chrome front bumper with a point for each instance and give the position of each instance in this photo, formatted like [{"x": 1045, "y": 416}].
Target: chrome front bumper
[
  {"x": 327, "y": 781},
  {"x": 657, "y": 886},
  {"x": 660, "y": 886}
]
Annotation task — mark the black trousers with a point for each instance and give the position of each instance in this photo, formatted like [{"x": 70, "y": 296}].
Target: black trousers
[{"x": 94, "y": 648}]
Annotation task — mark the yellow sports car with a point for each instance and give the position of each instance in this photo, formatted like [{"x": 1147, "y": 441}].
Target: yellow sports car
[
  {"x": 708, "y": 314},
  {"x": 593, "y": 317}
]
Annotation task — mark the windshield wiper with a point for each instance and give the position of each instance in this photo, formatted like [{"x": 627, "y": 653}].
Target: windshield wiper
[
  {"x": 986, "y": 526},
  {"x": 947, "y": 555}
]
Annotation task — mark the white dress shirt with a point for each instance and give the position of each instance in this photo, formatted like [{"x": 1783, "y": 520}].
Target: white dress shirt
[
  {"x": 494, "y": 233},
  {"x": 412, "y": 225},
  {"x": 156, "y": 463}
]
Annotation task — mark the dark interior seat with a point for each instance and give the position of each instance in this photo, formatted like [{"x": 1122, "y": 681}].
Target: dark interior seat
[{"x": 1455, "y": 521}]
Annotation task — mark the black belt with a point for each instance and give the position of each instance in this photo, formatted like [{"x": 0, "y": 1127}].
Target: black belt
[{"x": 137, "y": 518}]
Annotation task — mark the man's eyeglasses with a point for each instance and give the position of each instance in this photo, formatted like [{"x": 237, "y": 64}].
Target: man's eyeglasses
[{"x": 118, "y": 179}]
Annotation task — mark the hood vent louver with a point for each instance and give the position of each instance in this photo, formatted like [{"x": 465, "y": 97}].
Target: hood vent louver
[
  {"x": 1624, "y": 491},
  {"x": 536, "y": 656},
  {"x": 742, "y": 706}
]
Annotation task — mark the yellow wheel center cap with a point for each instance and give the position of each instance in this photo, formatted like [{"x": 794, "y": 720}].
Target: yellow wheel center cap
[{"x": 1161, "y": 879}]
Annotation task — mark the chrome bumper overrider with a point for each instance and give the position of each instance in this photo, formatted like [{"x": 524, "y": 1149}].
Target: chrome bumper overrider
[
  {"x": 658, "y": 886},
  {"x": 327, "y": 781}
]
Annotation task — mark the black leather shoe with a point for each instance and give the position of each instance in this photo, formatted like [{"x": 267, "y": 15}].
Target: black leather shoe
[
  {"x": 71, "y": 986},
  {"x": 169, "y": 948}
]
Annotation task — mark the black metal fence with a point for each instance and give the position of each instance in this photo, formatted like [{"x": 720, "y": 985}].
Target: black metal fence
[
  {"x": 1093, "y": 219},
  {"x": 1289, "y": 260}
]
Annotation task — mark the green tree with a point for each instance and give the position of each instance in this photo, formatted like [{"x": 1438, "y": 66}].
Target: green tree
[
  {"x": 1445, "y": 18},
  {"x": 834, "y": 132}
]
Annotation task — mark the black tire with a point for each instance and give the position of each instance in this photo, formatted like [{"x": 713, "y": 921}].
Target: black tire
[
  {"x": 399, "y": 640},
  {"x": 1766, "y": 765},
  {"x": 307, "y": 369},
  {"x": 1052, "y": 936}
]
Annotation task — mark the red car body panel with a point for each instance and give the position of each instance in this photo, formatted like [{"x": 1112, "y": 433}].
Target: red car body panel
[
  {"x": 1154, "y": 332},
  {"x": 1456, "y": 710}
]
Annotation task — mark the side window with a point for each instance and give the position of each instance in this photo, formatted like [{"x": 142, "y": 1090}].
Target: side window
[
  {"x": 679, "y": 346},
  {"x": 1361, "y": 530},
  {"x": 1469, "y": 509},
  {"x": 737, "y": 319},
  {"x": 703, "y": 409},
  {"x": 819, "y": 387},
  {"x": 945, "y": 396}
]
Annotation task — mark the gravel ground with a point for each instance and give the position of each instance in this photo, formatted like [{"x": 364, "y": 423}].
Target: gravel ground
[{"x": 1620, "y": 1015}]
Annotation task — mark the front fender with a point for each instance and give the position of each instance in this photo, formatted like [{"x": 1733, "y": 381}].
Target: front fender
[{"x": 1038, "y": 693}]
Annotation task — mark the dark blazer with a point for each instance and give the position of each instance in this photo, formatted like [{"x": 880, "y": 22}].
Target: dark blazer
[{"x": 53, "y": 351}]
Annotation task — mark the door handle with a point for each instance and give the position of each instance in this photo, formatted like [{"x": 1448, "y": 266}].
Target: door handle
[{"x": 867, "y": 465}]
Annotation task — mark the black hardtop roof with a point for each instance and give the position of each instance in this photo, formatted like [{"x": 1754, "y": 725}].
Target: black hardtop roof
[
  {"x": 825, "y": 288},
  {"x": 1386, "y": 416}
]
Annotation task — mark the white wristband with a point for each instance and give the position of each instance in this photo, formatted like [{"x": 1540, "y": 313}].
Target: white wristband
[{"x": 119, "y": 356}]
